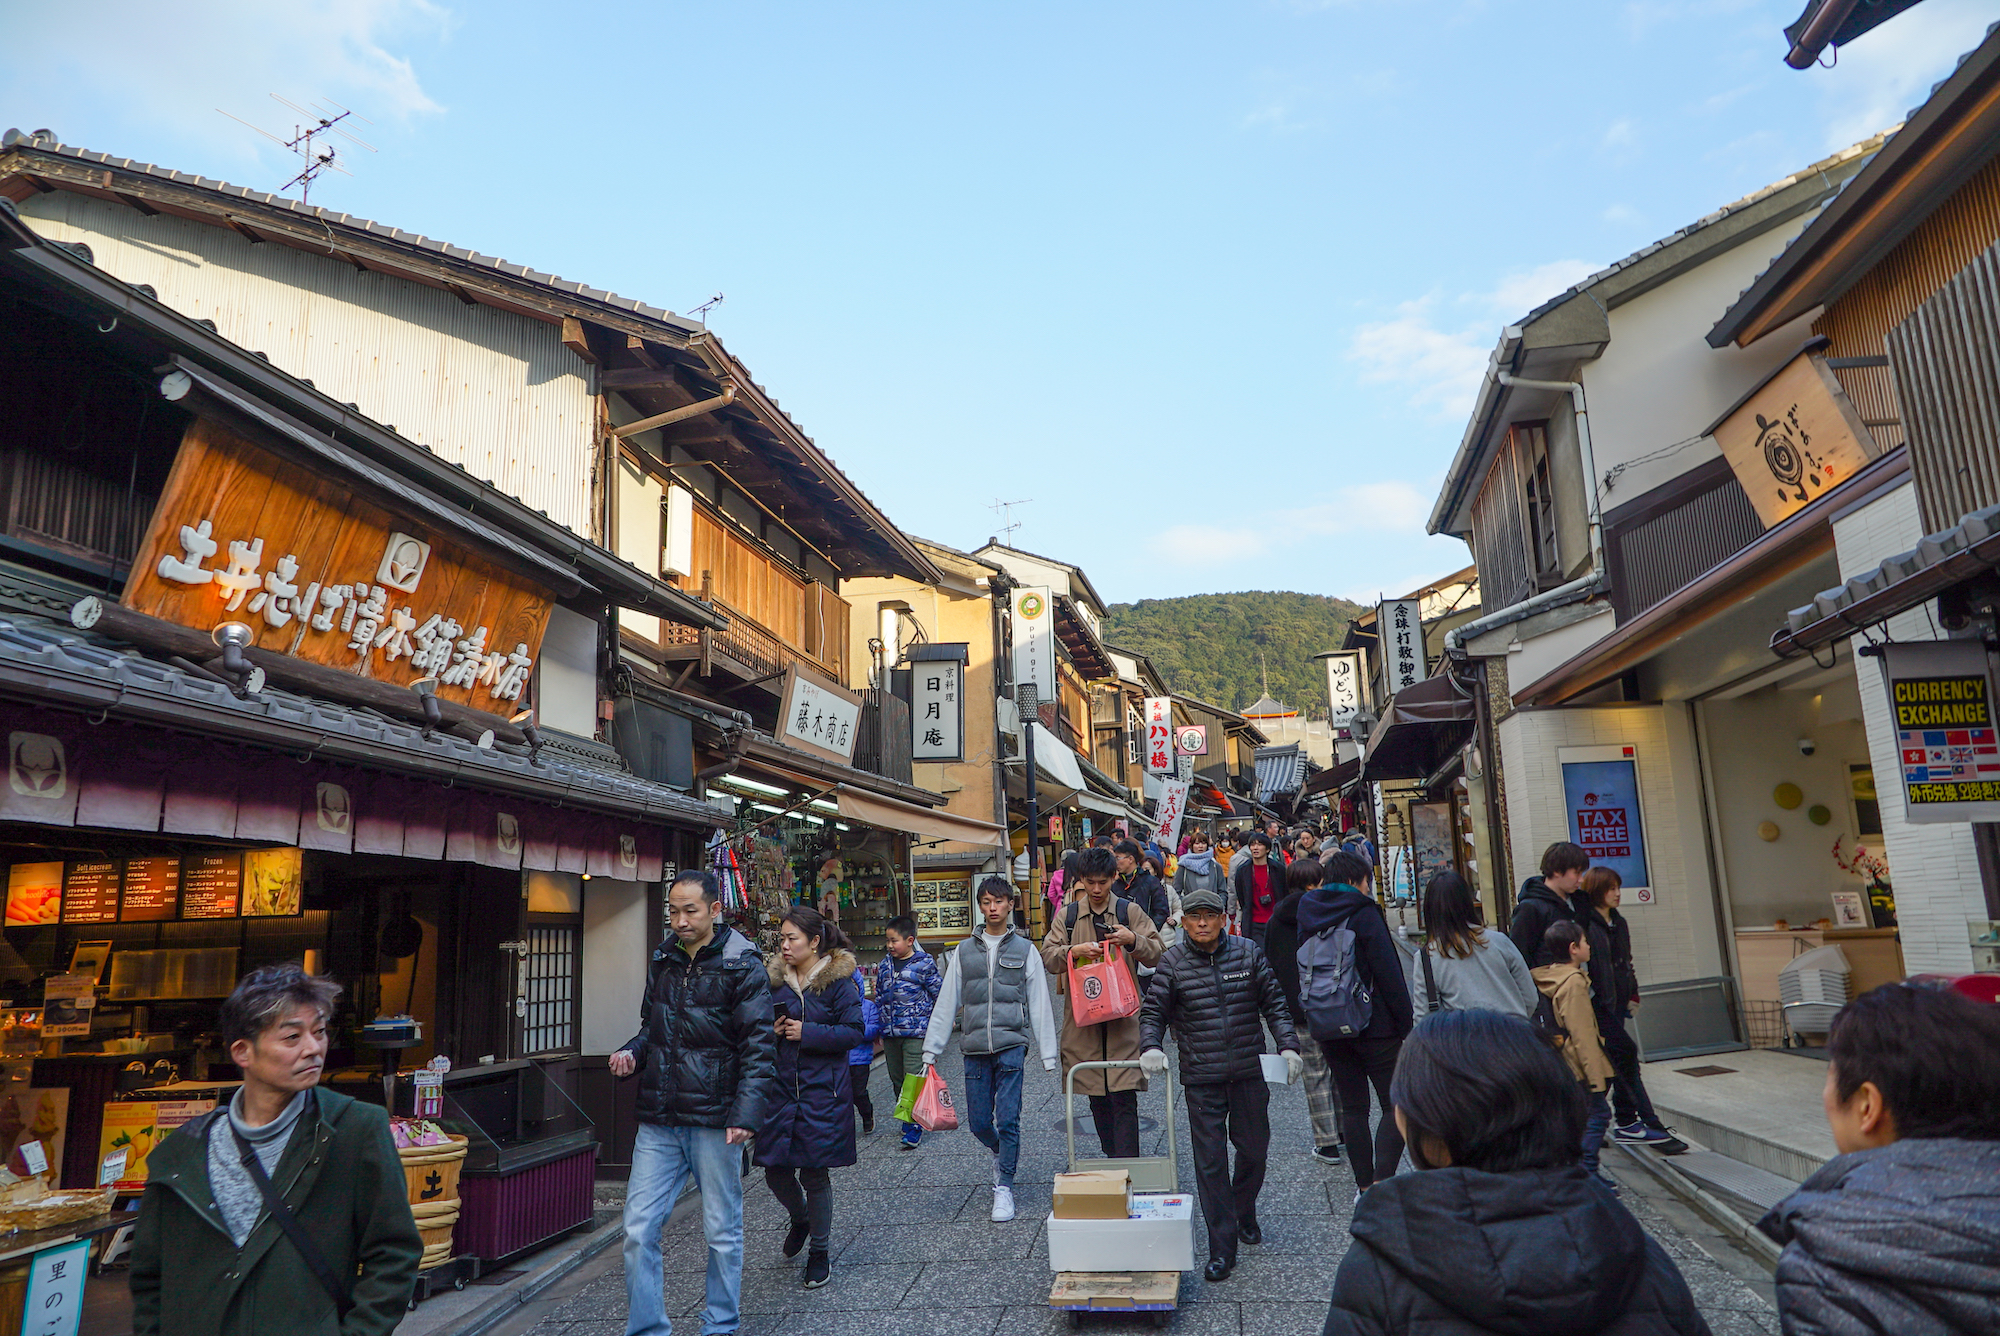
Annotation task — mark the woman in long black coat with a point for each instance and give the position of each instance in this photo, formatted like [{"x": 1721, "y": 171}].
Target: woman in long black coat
[{"x": 809, "y": 1123}]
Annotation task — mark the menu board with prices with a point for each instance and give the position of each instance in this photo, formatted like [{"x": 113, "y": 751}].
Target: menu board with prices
[
  {"x": 211, "y": 885},
  {"x": 943, "y": 906},
  {"x": 90, "y": 892},
  {"x": 152, "y": 890},
  {"x": 34, "y": 894}
]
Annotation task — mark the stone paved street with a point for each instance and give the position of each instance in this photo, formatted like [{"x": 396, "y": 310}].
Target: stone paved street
[{"x": 916, "y": 1255}]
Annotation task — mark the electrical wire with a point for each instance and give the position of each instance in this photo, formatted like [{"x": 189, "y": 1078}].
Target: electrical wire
[{"x": 1611, "y": 474}]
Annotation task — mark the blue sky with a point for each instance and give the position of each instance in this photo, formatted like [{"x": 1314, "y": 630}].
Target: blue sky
[{"x": 1211, "y": 284}]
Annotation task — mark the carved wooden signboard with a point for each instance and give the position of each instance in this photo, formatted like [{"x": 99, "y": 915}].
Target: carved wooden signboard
[
  {"x": 1794, "y": 439},
  {"x": 318, "y": 572}
]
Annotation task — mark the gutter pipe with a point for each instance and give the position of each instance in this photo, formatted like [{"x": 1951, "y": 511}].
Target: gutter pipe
[
  {"x": 681, "y": 414},
  {"x": 1577, "y": 589},
  {"x": 1819, "y": 32}
]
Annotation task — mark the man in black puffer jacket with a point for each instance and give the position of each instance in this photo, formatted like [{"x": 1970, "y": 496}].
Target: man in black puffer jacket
[
  {"x": 1216, "y": 990},
  {"x": 705, "y": 1058}
]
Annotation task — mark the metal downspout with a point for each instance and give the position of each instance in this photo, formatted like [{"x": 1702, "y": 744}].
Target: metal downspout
[{"x": 681, "y": 414}]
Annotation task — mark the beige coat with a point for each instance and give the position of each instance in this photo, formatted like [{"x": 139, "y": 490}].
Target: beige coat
[
  {"x": 1113, "y": 1041},
  {"x": 1568, "y": 989}
]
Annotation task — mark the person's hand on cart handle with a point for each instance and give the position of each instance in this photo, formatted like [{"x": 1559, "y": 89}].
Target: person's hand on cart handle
[
  {"x": 1153, "y": 1061},
  {"x": 622, "y": 1063}
]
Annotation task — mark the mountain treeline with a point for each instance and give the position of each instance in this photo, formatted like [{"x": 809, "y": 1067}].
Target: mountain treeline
[{"x": 1208, "y": 645}]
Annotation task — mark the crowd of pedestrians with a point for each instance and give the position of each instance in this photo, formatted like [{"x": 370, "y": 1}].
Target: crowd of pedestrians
[{"x": 1494, "y": 1075}]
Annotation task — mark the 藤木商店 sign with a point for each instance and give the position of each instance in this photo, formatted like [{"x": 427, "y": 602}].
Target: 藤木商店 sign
[
  {"x": 322, "y": 574},
  {"x": 1941, "y": 701},
  {"x": 818, "y": 717}
]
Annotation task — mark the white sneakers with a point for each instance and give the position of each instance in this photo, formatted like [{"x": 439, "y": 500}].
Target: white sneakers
[{"x": 1003, "y": 1203}]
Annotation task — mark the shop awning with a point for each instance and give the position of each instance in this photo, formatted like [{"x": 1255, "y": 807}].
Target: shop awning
[
  {"x": 873, "y": 810},
  {"x": 1054, "y": 759},
  {"x": 1332, "y": 781},
  {"x": 1110, "y": 807},
  {"x": 1939, "y": 561},
  {"x": 1423, "y": 725}
]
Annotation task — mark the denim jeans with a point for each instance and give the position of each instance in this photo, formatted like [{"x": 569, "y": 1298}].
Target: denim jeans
[
  {"x": 662, "y": 1159},
  {"x": 1594, "y": 1129},
  {"x": 993, "y": 1104}
]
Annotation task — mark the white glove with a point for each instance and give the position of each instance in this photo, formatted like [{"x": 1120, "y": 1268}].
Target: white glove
[
  {"x": 1295, "y": 1067},
  {"x": 1153, "y": 1061}
]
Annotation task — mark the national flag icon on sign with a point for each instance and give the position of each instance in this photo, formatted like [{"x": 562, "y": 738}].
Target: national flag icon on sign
[{"x": 1913, "y": 756}]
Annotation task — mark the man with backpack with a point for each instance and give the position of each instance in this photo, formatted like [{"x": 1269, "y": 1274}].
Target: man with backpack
[
  {"x": 1356, "y": 1005},
  {"x": 1548, "y": 899},
  {"x": 1093, "y": 921},
  {"x": 996, "y": 994},
  {"x": 1212, "y": 989}
]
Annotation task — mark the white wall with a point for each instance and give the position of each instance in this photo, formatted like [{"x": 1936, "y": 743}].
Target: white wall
[
  {"x": 1675, "y": 937},
  {"x": 496, "y": 393},
  {"x": 638, "y": 534},
  {"x": 615, "y": 953},
  {"x": 1533, "y": 657},
  {"x": 1659, "y": 383},
  {"x": 1934, "y": 869},
  {"x": 566, "y": 674}
]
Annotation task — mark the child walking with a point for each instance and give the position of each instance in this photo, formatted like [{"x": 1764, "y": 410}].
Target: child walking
[
  {"x": 1567, "y": 986},
  {"x": 996, "y": 993},
  {"x": 906, "y": 989},
  {"x": 860, "y": 1058}
]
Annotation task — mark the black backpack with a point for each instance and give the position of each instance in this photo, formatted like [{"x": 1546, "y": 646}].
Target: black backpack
[
  {"x": 1121, "y": 912},
  {"x": 1546, "y": 1026}
]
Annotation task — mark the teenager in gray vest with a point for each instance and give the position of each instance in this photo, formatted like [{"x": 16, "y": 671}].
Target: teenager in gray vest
[{"x": 996, "y": 995}]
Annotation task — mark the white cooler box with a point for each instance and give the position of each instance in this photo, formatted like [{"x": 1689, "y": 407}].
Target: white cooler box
[{"x": 1157, "y": 1236}]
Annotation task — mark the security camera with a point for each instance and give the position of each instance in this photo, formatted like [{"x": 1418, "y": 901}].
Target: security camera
[{"x": 1807, "y": 746}]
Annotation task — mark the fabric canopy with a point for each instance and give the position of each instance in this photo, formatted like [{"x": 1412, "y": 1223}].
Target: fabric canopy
[
  {"x": 1054, "y": 759},
  {"x": 1329, "y": 781},
  {"x": 874, "y": 810},
  {"x": 1420, "y": 730}
]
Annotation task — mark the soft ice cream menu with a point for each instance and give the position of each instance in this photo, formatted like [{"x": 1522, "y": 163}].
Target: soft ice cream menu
[
  {"x": 211, "y": 885},
  {"x": 34, "y": 893},
  {"x": 90, "y": 893},
  {"x": 152, "y": 890}
]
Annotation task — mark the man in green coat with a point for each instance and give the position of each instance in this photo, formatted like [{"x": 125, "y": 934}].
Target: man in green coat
[{"x": 208, "y": 1258}]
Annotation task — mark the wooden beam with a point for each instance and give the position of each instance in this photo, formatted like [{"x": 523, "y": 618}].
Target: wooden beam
[
  {"x": 41, "y": 186},
  {"x": 131, "y": 201},
  {"x": 638, "y": 378},
  {"x": 575, "y": 340},
  {"x": 637, "y": 347},
  {"x": 244, "y": 230},
  {"x": 461, "y": 293}
]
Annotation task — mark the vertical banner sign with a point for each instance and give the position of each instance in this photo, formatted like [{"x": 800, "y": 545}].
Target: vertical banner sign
[
  {"x": 1941, "y": 696},
  {"x": 1167, "y": 816},
  {"x": 1159, "y": 735},
  {"x": 1399, "y": 627},
  {"x": 1343, "y": 687},
  {"x": 937, "y": 706},
  {"x": 1601, "y": 800},
  {"x": 54, "y": 1305},
  {"x": 1035, "y": 640}
]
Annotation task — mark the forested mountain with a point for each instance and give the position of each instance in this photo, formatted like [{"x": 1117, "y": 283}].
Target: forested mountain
[{"x": 1207, "y": 645}]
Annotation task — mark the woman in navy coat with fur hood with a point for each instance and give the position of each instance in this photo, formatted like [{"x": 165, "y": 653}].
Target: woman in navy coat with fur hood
[{"x": 809, "y": 1123}]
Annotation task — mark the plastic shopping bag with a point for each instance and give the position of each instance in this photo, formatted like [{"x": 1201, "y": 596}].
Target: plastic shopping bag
[
  {"x": 934, "y": 1112},
  {"x": 907, "y": 1101},
  {"x": 1104, "y": 990}
]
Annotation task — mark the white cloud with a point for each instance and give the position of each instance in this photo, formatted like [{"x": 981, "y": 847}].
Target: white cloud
[
  {"x": 174, "y": 65},
  {"x": 1622, "y": 215},
  {"x": 1620, "y": 134},
  {"x": 1879, "y": 78},
  {"x": 1391, "y": 506},
  {"x": 1441, "y": 361}
]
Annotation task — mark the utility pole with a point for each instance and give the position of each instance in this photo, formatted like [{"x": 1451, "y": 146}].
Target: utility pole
[{"x": 1028, "y": 703}]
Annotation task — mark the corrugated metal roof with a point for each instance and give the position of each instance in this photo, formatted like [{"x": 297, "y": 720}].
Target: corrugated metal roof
[
  {"x": 63, "y": 664},
  {"x": 1938, "y": 561}
]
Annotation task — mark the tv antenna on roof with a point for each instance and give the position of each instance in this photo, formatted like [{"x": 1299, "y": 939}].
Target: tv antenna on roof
[
  {"x": 312, "y": 140},
  {"x": 1004, "y": 510},
  {"x": 701, "y": 312}
]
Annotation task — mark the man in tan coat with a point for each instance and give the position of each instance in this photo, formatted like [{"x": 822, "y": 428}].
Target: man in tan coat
[
  {"x": 1093, "y": 917},
  {"x": 1567, "y": 986}
]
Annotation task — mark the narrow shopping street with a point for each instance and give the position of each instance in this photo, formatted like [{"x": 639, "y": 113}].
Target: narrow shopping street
[{"x": 916, "y": 1255}]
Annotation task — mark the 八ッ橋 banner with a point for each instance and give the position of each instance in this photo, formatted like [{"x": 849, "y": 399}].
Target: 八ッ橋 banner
[{"x": 1941, "y": 702}]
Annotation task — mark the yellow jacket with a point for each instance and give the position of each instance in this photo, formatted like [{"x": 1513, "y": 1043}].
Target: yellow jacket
[{"x": 1568, "y": 989}]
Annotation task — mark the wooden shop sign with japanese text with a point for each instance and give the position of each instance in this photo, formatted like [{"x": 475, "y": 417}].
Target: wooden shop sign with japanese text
[
  {"x": 319, "y": 573},
  {"x": 1794, "y": 439}
]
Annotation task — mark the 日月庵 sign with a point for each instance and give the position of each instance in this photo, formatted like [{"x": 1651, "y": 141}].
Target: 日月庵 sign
[
  {"x": 937, "y": 703},
  {"x": 1941, "y": 702},
  {"x": 1795, "y": 438},
  {"x": 324, "y": 575}
]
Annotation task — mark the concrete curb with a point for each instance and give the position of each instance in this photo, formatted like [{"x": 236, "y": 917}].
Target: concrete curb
[
  {"x": 490, "y": 1313},
  {"x": 1724, "y": 1216}
]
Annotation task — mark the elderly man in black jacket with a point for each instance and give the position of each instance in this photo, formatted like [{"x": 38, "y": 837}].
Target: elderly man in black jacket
[
  {"x": 1214, "y": 989},
  {"x": 705, "y": 1058}
]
